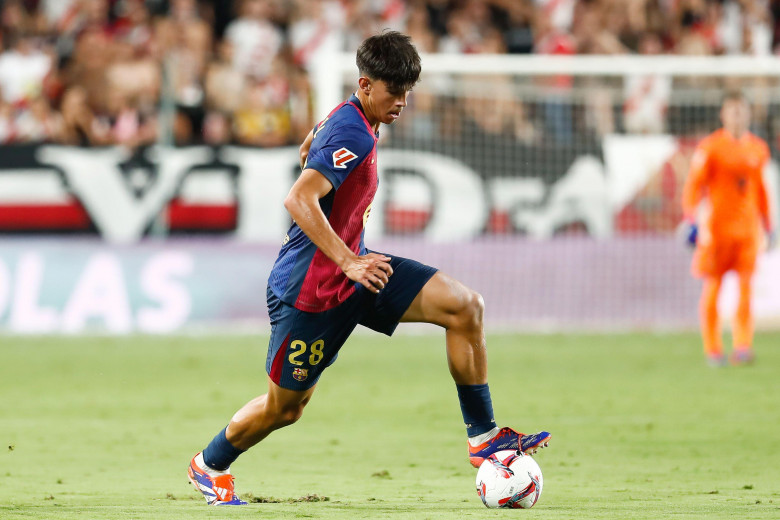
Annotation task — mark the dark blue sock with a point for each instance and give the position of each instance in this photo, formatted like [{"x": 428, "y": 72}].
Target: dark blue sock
[
  {"x": 477, "y": 408},
  {"x": 220, "y": 454}
]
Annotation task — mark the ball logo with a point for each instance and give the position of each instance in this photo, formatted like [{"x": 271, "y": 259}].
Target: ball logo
[{"x": 341, "y": 157}]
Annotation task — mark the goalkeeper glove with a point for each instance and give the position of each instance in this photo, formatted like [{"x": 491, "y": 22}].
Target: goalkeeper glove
[{"x": 688, "y": 232}]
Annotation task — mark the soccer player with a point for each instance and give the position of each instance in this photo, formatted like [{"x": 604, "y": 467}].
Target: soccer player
[
  {"x": 726, "y": 175},
  {"x": 325, "y": 282}
]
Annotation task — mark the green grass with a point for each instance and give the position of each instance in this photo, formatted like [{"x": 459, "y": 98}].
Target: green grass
[{"x": 103, "y": 428}]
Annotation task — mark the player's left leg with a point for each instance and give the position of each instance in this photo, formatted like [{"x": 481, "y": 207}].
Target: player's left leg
[
  {"x": 448, "y": 303},
  {"x": 743, "y": 323}
]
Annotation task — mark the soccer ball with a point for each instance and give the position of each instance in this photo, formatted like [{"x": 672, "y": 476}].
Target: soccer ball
[{"x": 509, "y": 479}]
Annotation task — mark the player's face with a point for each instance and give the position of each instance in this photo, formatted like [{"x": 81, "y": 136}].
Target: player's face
[
  {"x": 735, "y": 115},
  {"x": 387, "y": 103}
]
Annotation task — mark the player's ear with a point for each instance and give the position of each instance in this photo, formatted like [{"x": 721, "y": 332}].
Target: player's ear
[{"x": 365, "y": 84}]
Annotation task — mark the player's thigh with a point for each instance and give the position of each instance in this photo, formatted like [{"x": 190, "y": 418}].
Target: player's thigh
[
  {"x": 713, "y": 259},
  {"x": 441, "y": 301},
  {"x": 303, "y": 344},
  {"x": 746, "y": 255},
  {"x": 382, "y": 312}
]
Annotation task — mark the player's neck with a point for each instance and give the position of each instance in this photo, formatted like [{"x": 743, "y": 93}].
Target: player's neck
[
  {"x": 736, "y": 132},
  {"x": 365, "y": 104}
]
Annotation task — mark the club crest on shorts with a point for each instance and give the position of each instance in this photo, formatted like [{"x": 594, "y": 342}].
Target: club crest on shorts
[
  {"x": 341, "y": 157},
  {"x": 300, "y": 374}
]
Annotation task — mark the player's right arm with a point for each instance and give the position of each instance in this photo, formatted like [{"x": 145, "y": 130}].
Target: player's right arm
[
  {"x": 303, "y": 203},
  {"x": 695, "y": 184}
]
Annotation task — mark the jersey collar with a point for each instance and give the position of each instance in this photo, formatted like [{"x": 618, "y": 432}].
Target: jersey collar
[{"x": 355, "y": 101}]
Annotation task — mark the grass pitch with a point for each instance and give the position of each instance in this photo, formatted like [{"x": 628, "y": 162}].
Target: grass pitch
[{"x": 103, "y": 428}]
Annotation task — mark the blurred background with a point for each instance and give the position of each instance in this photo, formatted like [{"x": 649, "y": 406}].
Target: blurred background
[{"x": 147, "y": 145}]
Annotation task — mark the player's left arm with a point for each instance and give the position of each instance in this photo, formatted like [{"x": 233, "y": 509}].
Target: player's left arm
[
  {"x": 764, "y": 207},
  {"x": 303, "y": 151}
]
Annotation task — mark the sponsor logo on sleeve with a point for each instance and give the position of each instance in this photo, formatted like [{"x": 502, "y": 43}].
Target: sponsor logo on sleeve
[{"x": 341, "y": 157}]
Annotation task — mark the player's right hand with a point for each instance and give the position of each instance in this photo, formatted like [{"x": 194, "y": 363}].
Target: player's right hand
[
  {"x": 688, "y": 232},
  {"x": 372, "y": 271}
]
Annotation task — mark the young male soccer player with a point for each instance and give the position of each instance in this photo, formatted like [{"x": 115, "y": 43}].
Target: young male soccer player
[
  {"x": 726, "y": 173},
  {"x": 325, "y": 282}
]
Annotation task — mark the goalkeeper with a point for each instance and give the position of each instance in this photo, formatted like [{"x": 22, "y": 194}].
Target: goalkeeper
[{"x": 726, "y": 179}]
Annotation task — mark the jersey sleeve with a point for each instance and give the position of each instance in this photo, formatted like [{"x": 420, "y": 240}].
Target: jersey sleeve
[
  {"x": 693, "y": 191},
  {"x": 763, "y": 197},
  {"x": 340, "y": 151}
]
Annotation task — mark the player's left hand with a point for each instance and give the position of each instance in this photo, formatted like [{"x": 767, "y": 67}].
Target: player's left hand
[
  {"x": 771, "y": 239},
  {"x": 372, "y": 271}
]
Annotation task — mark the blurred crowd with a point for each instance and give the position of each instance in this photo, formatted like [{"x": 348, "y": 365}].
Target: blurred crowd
[{"x": 134, "y": 72}]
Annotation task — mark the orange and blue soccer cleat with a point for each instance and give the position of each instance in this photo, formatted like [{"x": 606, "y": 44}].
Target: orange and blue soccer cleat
[
  {"x": 508, "y": 439},
  {"x": 716, "y": 360},
  {"x": 742, "y": 356},
  {"x": 217, "y": 490}
]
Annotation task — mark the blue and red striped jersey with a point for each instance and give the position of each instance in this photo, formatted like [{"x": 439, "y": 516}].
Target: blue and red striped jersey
[{"x": 344, "y": 151}]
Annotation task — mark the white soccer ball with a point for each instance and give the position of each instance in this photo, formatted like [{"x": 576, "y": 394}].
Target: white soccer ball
[{"x": 509, "y": 479}]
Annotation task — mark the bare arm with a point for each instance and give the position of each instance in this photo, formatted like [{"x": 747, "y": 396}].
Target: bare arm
[{"x": 371, "y": 270}]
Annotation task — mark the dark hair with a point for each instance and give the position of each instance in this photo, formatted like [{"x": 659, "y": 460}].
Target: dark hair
[
  {"x": 734, "y": 94},
  {"x": 390, "y": 57}
]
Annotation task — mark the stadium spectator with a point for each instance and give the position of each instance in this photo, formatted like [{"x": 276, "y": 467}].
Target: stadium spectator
[
  {"x": 7, "y": 122},
  {"x": 216, "y": 128},
  {"x": 418, "y": 27},
  {"x": 559, "y": 122},
  {"x": 646, "y": 95},
  {"x": 79, "y": 125},
  {"x": 132, "y": 125},
  {"x": 694, "y": 32},
  {"x": 23, "y": 68},
  {"x": 315, "y": 27},
  {"x": 102, "y": 45},
  {"x": 519, "y": 31},
  {"x": 38, "y": 123},
  {"x": 15, "y": 18},
  {"x": 466, "y": 29},
  {"x": 263, "y": 118},
  {"x": 597, "y": 28},
  {"x": 186, "y": 42},
  {"x": 93, "y": 51},
  {"x": 224, "y": 90},
  {"x": 255, "y": 39}
]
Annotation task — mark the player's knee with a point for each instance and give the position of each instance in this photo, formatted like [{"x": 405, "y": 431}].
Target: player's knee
[
  {"x": 470, "y": 312},
  {"x": 289, "y": 414}
]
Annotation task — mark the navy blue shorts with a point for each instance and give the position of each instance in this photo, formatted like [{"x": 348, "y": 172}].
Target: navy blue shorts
[{"x": 303, "y": 343}]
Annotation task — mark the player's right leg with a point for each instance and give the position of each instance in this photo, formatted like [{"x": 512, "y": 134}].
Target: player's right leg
[
  {"x": 459, "y": 310},
  {"x": 209, "y": 470},
  {"x": 710, "y": 321},
  {"x": 301, "y": 346}
]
